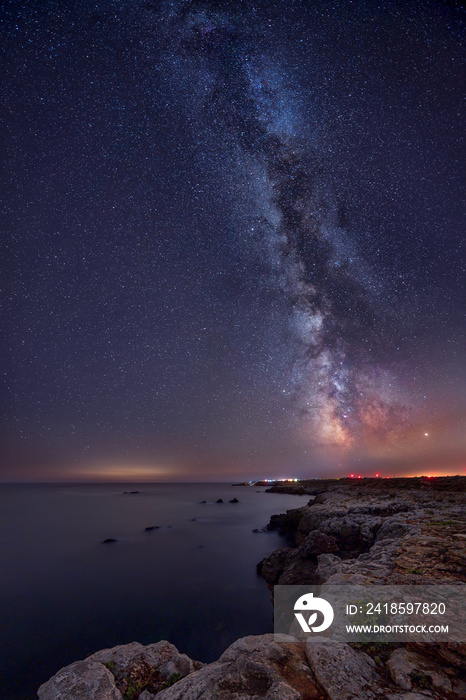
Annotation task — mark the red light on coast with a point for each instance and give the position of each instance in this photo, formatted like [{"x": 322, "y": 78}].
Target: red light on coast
[
  {"x": 359, "y": 477},
  {"x": 352, "y": 476},
  {"x": 377, "y": 474}
]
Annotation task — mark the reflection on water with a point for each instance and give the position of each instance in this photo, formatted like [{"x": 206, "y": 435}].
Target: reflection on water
[{"x": 192, "y": 580}]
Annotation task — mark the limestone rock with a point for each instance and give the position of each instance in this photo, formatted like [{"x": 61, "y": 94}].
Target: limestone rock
[
  {"x": 81, "y": 680},
  {"x": 251, "y": 668},
  {"x": 271, "y": 568},
  {"x": 148, "y": 667},
  {"x": 328, "y": 565},
  {"x": 344, "y": 673},
  {"x": 407, "y": 669},
  {"x": 317, "y": 542}
]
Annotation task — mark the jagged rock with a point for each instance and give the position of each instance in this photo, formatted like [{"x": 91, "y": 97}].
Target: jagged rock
[
  {"x": 316, "y": 517},
  {"x": 317, "y": 542},
  {"x": 220, "y": 500},
  {"x": 145, "y": 667},
  {"x": 234, "y": 500},
  {"x": 344, "y": 673},
  {"x": 381, "y": 537},
  {"x": 81, "y": 680},
  {"x": 251, "y": 668},
  {"x": 407, "y": 667},
  {"x": 271, "y": 568},
  {"x": 296, "y": 571},
  {"x": 286, "y": 523}
]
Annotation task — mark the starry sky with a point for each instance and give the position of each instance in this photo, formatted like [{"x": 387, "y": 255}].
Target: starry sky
[{"x": 233, "y": 239}]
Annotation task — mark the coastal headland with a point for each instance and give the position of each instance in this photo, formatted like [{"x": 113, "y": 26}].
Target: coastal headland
[{"x": 352, "y": 531}]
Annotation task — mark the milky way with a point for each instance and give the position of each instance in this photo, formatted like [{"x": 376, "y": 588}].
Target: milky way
[
  {"x": 232, "y": 237},
  {"x": 341, "y": 394}
]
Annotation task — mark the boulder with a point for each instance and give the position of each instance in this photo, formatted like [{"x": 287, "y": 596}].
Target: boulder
[
  {"x": 81, "y": 680},
  {"x": 148, "y": 667},
  {"x": 252, "y": 667}
]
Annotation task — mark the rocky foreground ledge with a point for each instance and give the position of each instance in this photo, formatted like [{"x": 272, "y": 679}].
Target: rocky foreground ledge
[{"x": 394, "y": 531}]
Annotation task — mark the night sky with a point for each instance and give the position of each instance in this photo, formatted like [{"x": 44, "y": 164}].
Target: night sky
[{"x": 233, "y": 239}]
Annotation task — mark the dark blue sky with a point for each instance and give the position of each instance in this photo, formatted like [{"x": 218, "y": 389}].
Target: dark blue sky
[{"x": 233, "y": 237}]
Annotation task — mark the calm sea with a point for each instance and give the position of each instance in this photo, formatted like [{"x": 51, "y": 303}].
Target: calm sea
[{"x": 193, "y": 581}]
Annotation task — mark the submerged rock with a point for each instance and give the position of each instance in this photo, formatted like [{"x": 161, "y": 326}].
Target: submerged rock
[
  {"x": 109, "y": 540},
  {"x": 152, "y": 527}
]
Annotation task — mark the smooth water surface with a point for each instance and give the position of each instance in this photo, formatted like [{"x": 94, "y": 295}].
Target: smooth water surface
[{"x": 193, "y": 581}]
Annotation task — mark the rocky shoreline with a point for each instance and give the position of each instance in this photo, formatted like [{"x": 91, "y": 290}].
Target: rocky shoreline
[
  {"x": 372, "y": 531},
  {"x": 379, "y": 531}
]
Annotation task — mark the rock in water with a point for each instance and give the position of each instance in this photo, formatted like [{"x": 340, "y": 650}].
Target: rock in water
[
  {"x": 220, "y": 500},
  {"x": 109, "y": 540},
  {"x": 81, "y": 680},
  {"x": 234, "y": 500}
]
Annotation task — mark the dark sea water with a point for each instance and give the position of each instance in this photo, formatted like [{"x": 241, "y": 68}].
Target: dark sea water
[{"x": 64, "y": 594}]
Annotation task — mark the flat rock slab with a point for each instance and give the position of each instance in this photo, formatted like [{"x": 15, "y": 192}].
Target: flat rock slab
[
  {"x": 345, "y": 674},
  {"x": 81, "y": 680}
]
